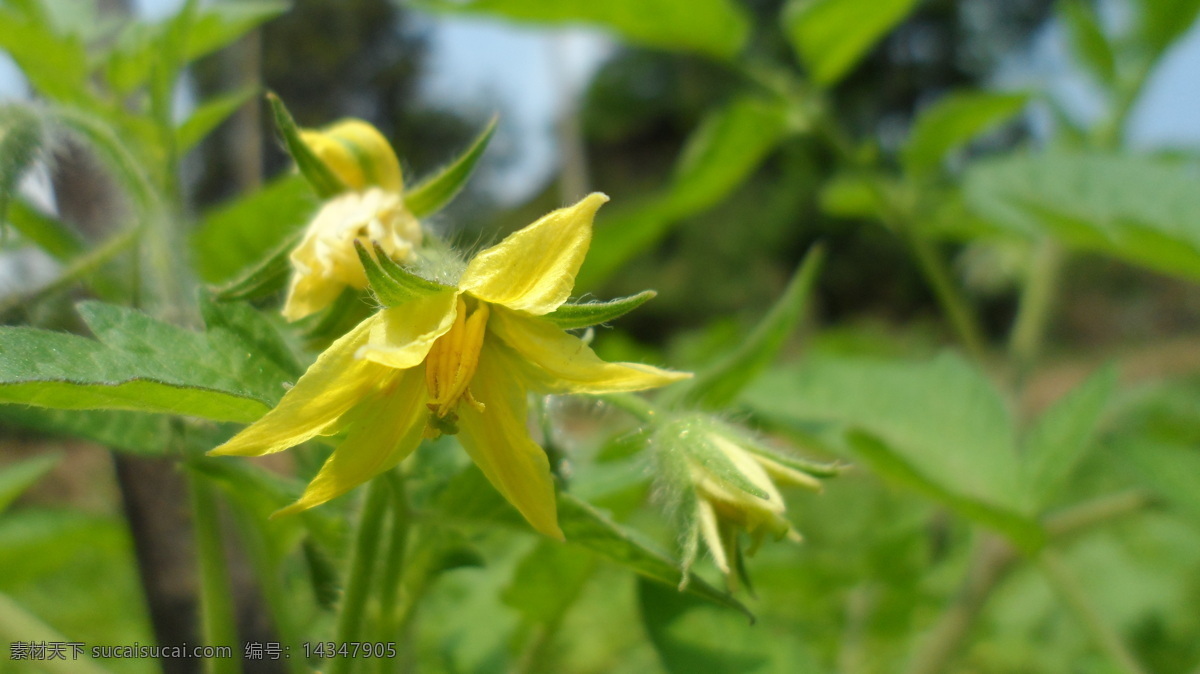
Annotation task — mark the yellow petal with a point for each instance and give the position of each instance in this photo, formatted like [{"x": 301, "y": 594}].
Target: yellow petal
[
  {"x": 384, "y": 430},
  {"x": 553, "y": 361},
  {"x": 314, "y": 405},
  {"x": 357, "y": 154},
  {"x": 404, "y": 334},
  {"x": 309, "y": 293},
  {"x": 533, "y": 270},
  {"x": 498, "y": 441}
]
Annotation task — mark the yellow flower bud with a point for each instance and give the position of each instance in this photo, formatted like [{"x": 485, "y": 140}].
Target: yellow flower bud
[{"x": 357, "y": 154}]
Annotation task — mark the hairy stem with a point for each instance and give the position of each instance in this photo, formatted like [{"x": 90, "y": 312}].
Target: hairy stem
[
  {"x": 362, "y": 567},
  {"x": 216, "y": 592}
]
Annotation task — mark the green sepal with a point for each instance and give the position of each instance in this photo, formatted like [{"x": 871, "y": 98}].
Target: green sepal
[
  {"x": 691, "y": 438},
  {"x": 434, "y": 192},
  {"x": 574, "y": 316},
  {"x": 323, "y": 180},
  {"x": 265, "y": 278},
  {"x": 392, "y": 284},
  {"x": 721, "y": 383}
]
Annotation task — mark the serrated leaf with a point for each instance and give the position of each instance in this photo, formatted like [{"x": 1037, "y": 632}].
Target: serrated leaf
[
  {"x": 832, "y": 36},
  {"x": 392, "y": 284},
  {"x": 1063, "y": 433},
  {"x": 18, "y": 477},
  {"x": 434, "y": 192},
  {"x": 1139, "y": 209},
  {"x": 239, "y": 242},
  {"x": 253, "y": 329},
  {"x": 575, "y": 316},
  {"x": 721, "y": 154},
  {"x": 208, "y": 117},
  {"x": 318, "y": 175},
  {"x": 718, "y": 28},
  {"x": 137, "y": 364},
  {"x": 469, "y": 498},
  {"x": 942, "y": 417},
  {"x": 1092, "y": 48},
  {"x": 887, "y": 461},
  {"x": 717, "y": 386},
  {"x": 952, "y": 122}
]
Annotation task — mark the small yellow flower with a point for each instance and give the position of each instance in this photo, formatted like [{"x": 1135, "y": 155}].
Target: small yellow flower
[
  {"x": 458, "y": 361},
  {"x": 325, "y": 262}
]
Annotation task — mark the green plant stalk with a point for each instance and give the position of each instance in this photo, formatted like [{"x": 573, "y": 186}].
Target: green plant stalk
[
  {"x": 216, "y": 593},
  {"x": 1106, "y": 638},
  {"x": 362, "y": 567},
  {"x": 1034, "y": 306},
  {"x": 393, "y": 565},
  {"x": 960, "y": 313},
  {"x": 80, "y": 267},
  {"x": 992, "y": 562}
]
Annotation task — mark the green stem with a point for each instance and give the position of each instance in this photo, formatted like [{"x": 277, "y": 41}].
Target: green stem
[
  {"x": 1033, "y": 311},
  {"x": 393, "y": 565},
  {"x": 216, "y": 593},
  {"x": 960, "y": 313},
  {"x": 362, "y": 566},
  {"x": 1064, "y": 582},
  {"x": 80, "y": 267}
]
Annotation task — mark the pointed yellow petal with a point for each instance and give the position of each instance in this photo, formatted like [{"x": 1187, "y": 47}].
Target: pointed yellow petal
[
  {"x": 533, "y": 270},
  {"x": 404, "y": 334},
  {"x": 384, "y": 430},
  {"x": 553, "y": 361},
  {"x": 314, "y": 405},
  {"x": 712, "y": 534},
  {"x": 308, "y": 294},
  {"x": 498, "y": 442}
]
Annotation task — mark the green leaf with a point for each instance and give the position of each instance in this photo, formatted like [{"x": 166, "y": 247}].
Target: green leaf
[
  {"x": 941, "y": 416},
  {"x": 16, "y": 478},
  {"x": 236, "y": 241},
  {"x": 718, "y": 385},
  {"x": 1063, "y": 433},
  {"x": 217, "y": 24},
  {"x": 434, "y": 192},
  {"x": 1170, "y": 470},
  {"x": 392, "y": 284},
  {"x": 208, "y": 117},
  {"x": 575, "y": 316},
  {"x": 253, "y": 329},
  {"x": 547, "y": 581},
  {"x": 1139, "y": 209},
  {"x": 265, "y": 278},
  {"x": 721, "y": 154},
  {"x": 322, "y": 179},
  {"x": 1092, "y": 49},
  {"x": 690, "y": 637},
  {"x": 138, "y": 364},
  {"x": 832, "y": 36},
  {"x": 717, "y": 28},
  {"x": 48, "y": 233},
  {"x": 56, "y": 65},
  {"x": 469, "y": 498},
  {"x": 952, "y": 122},
  {"x": 851, "y": 195},
  {"x": 1165, "y": 21},
  {"x": 887, "y": 461},
  {"x": 135, "y": 432}
]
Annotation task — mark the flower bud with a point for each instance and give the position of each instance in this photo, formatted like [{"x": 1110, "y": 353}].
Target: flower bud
[
  {"x": 326, "y": 261},
  {"x": 722, "y": 484},
  {"x": 357, "y": 154}
]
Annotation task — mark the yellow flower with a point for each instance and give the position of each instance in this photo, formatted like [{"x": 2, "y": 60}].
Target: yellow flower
[
  {"x": 458, "y": 360},
  {"x": 325, "y": 262}
]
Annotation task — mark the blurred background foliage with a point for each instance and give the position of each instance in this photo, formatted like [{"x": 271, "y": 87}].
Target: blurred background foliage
[{"x": 1003, "y": 339}]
